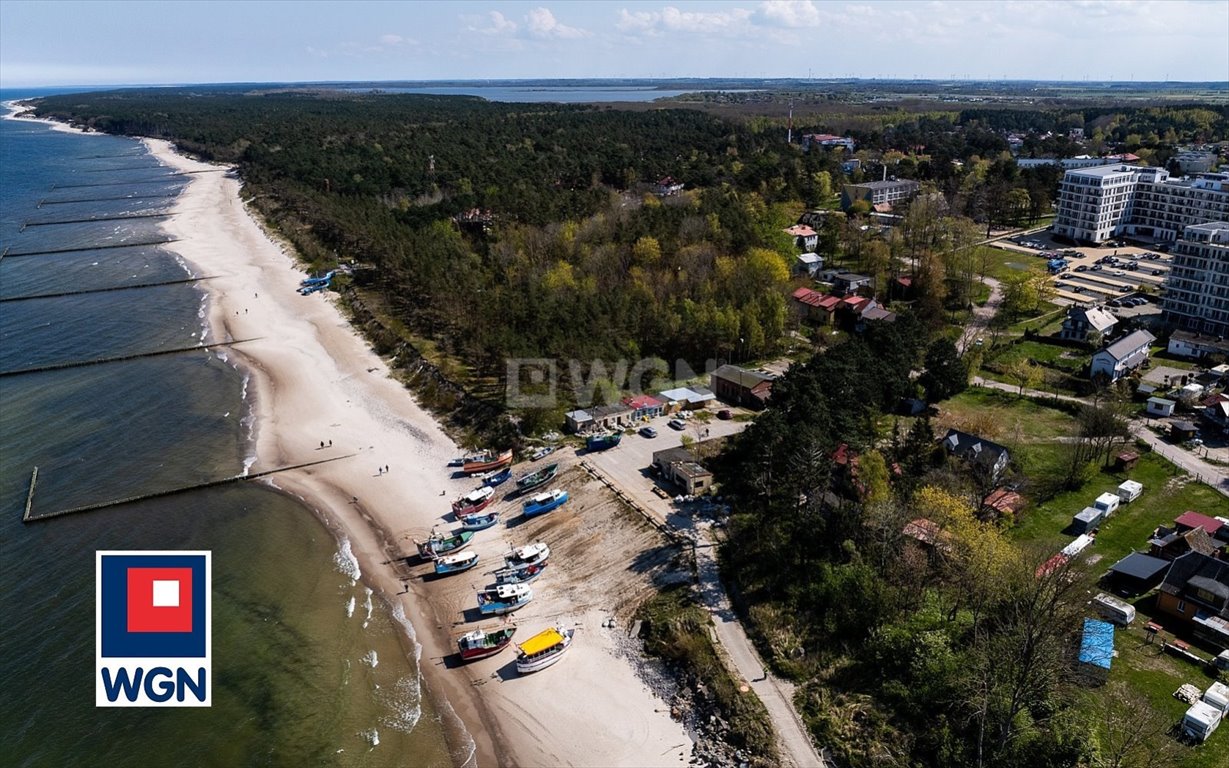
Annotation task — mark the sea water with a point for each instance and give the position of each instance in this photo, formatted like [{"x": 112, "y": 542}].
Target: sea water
[{"x": 309, "y": 667}]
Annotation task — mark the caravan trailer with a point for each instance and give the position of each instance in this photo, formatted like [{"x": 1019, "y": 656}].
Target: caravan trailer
[{"x": 1111, "y": 608}]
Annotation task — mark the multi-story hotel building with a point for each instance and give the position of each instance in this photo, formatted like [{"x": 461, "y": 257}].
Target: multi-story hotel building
[
  {"x": 1095, "y": 204},
  {"x": 1197, "y": 289}
]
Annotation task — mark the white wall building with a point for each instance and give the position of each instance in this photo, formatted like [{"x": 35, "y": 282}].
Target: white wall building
[
  {"x": 1095, "y": 204},
  {"x": 1197, "y": 288},
  {"x": 1123, "y": 356}
]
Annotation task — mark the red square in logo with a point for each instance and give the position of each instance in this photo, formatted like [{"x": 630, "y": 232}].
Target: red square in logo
[{"x": 159, "y": 599}]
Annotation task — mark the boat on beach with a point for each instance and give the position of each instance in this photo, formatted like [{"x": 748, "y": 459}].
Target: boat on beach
[
  {"x": 480, "y": 644},
  {"x": 530, "y": 554},
  {"x": 542, "y": 453},
  {"x": 541, "y": 477},
  {"x": 519, "y": 574},
  {"x": 503, "y": 598},
  {"x": 473, "y": 502},
  {"x": 455, "y": 563},
  {"x": 498, "y": 478},
  {"x": 486, "y": 461},
  {"x": 602, "y": 442},
  {"x": 479, "y": 522},
  {"x": 543, "y": 649},
  {"x": 542, "y": 503},
  {"x": 439, "y": 544}
]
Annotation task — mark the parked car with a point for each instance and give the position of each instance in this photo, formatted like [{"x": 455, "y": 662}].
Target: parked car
[
  {"x": 676, "y": 424},
  {"x": 648, "y": 432},
  {"x": 1082, "y": 268},
  {"x": 1115, "y": 303},
  {"x": 1158, "y": 272},
  {"x": 1096, "y": 267},
  {"x": 725, "y": 414}
]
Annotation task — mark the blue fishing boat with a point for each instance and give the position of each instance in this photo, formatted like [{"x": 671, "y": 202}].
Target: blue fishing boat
[
  {"x": 519, "y": 574},
  {"x": 455, "y": 563},
  {"x": 498, "y": 478},
  {"x": 542, "y": 503},
  {"x": 541, "y": 477},
  {"x": 503, "y": 598},
  {"x": 479, "y": 522},
  {"x": 602, "y": 442}
]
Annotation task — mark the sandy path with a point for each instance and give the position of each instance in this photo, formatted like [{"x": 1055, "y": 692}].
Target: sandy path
[{"x": 314, "y": 379}]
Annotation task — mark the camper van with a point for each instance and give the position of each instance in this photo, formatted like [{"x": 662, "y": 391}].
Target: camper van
[
  {"x": 1129, "y": 491},
  {"x": 1217, "y": 696},
  {"x": 1107, "y": 503},
  {"x": 1112, "y": 609},
  {"x": 1201, "y": 721}
]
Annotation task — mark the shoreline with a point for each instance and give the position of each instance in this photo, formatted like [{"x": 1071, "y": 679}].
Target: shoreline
[{"x": 314, "y": 378}]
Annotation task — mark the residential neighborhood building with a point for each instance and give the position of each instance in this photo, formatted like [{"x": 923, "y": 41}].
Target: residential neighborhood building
[
  {"x": 1170, "y": 544},
  {"x": 1194, "y": 161},
  {"x": 1095, "y": 204},
  {"x": 741, "y": 386},
  {"x": 1121, "y": 357},
  {"x": 644, "y": 406},
  {"x": 805, "y": 237},
  {"x": 1136, "y": 573},
  {"x": 808, "y": 264},
  {"x": 690, "y": 398},
  {"x": 1197, "y": 289},
  {"x": 848, "y": 282},
  {"x": 577, "y": 421},
  {"x": 1081, "y": 321},
  {"x": 680, "y": 466},
  {"x": 1197, "y": 345},
  {"x": 984, "y": 455},
  {"x": 1160, "y": 407},
  {"x": 666, "y": 186},
  {"x": 1196, "y": 590},
  {"x": 827, "y": 140},
  {"x": 813, "y": 305},
  {"x": 875, "y": 193}
]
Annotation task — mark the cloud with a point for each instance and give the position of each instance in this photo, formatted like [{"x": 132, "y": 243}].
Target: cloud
[
  {"x": 493, "y": 23},
  {"x": 794, "y": 14},
  {"x": 540, "y": 22},
  {"x": 671, "y": 19},
  {"x": 391, "y": 39}
]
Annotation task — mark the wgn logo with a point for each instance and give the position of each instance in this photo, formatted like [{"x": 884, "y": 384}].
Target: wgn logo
[{"x": 153, "y": 629}]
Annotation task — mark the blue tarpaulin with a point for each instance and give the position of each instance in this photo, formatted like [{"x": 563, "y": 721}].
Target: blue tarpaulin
[{"x": 1097, "y": 647}]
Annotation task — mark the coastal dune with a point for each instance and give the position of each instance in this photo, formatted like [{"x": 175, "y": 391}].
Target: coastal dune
[{"x": 314, "y": 380}]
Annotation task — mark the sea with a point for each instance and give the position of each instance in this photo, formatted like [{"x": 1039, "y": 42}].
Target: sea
[{"x": 309, "y": 667}]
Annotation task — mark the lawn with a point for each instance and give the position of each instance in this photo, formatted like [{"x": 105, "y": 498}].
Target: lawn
[
  {"x": 1002, "y": 263},
  {"x": 1003, "y": 417},
  {"x": 1069, "y": 359}
]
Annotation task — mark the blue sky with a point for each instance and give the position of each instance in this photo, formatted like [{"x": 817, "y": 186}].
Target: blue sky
[{"x": 103, "y": 43}]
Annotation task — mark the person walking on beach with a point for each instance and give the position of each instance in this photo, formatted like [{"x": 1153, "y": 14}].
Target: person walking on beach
[{"x": 321, "y": 444}]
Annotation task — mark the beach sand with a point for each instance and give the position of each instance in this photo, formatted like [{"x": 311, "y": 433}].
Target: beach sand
[{"x": 314, "y": 379}]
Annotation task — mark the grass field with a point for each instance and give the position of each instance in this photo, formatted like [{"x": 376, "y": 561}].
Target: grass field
[
  {"x": 1069, "y": 359},
  {"x": 1003, "y": 417}
]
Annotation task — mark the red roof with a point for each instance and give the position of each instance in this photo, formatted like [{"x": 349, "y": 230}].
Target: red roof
[
  {"x": 641, "y": 401},
  {"x": 814, "y": 298},
  {"x": 800, "y": 230},
  {"x": 1004, "y": 501},
  {"x": 1051, "y": 565},
  {"x": 1191, "y": 519},
  {"x": 856, "y": 303},
  {"x": 906, "y": 281}
]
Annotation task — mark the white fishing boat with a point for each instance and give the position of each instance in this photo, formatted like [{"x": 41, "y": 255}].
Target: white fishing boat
[{"x": 543, "y": 649}]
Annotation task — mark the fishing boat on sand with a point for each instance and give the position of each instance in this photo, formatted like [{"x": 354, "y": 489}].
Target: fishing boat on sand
[
  {"x": 530, "y": 554},
  {"x": 542, "y": 503},
  {"x": 602, "y": 442},
  {"x": 520, "y": 574},
  {"x": 479, "y": 644},
  {"x": 486, "y": 461},
  {"x": 455, "y": 563},
  {"x": 543, "y": 649},
  {"x": 479, "y": 522},
  {"x": 503, "y": 598},
  {"x": 541, "y": 477},
  {"x": 498, "y": 478},
  {"x": 473, "y": 502},
  {"x": 439, "y": 544}
]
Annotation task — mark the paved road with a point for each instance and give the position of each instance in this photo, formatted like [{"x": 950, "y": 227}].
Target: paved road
[
  {"x": 777, "y": 695},
  {"x": 626, "y": 467}
]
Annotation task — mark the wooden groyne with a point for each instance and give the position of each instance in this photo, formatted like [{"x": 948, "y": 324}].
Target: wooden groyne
[
  {"x": 105, "y": 290},
  {"x": 28, "y": 517},
  {"x": 160, "y": 180},
  {"x": 163, "y": 241},
  {"x": 122, "y": 358},
  {"x": 26, "y": 225},
  {"x": 133, "y": 196},
  {"x": 145, "y": 167}
]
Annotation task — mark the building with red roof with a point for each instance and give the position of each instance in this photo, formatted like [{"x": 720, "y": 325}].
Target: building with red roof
[{"x": 1190, "y": 519}]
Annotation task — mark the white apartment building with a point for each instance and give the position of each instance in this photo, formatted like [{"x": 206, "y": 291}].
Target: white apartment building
[
  {"x": 1095, "y": 204},
  {"x": 1197, "y": 289}
]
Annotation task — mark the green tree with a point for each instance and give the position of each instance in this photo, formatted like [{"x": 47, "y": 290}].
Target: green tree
[{"x": 946, "y": 374}]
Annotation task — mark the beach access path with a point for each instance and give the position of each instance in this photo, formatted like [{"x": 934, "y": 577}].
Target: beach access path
[{"x": 318, "y": 390}]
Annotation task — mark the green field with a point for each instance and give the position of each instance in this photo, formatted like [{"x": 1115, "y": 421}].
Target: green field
[{"x": 1004, "y": 418}]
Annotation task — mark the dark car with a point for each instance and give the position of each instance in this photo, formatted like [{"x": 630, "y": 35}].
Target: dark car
[
  {"x": 1082, "y": 268},
  {"x": 724, "y": 414},
  {"x": 648, "y": 432},
  {"x": 1158, "y": 272}
]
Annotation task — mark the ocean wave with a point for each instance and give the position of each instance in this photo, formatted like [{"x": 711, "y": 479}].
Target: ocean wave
[
  {"x": 346, "y": 562},
  {"x": 371, "y": 659},
  {"x": 372, "y": 737},
  {"x": 404, "y": 704},
  {"x": 350, "y": 607},
  {"x": 367, "y": 605}
]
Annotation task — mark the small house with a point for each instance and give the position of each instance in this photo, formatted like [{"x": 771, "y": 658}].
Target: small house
[
  {"x": 644, "y": 406},
  {"x": 805, "y": 238},
  {"x": 1217, "y": 415},
  {"x": 577, "y": 421},
  {"x": 808, "y": 264},
  {"x": 1160, "y": 407},
  {"x": 1194, "y": 345},
  {"x": 1190, "y": 519},
  {"x": 1081, "y": 321},
  {"x": 1136, "y": 573},
  {"x": 1170, "y": 544},
  {"x": 1196, "y": 590},
  {"x": 984, "y": 455},
  {"x": 848, "y": 282},
  {"x": 813, "y": 305},
  {"x": 1183, "y": 430},
  {"x": 740, "y": 386},
  {"x": 1003, "y": 502},
  {"x": 1120, "y": 358},
  {"x": 681, "y": 467},
  {"x": 613, "y": 416}
]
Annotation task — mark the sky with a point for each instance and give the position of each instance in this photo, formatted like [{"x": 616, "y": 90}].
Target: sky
[{"x": 156, "y": 42}]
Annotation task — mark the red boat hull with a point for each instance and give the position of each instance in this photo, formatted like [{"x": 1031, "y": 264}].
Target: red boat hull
[
  {"x": 461, "y": 508},
  {"x": 499, "y": 462}
]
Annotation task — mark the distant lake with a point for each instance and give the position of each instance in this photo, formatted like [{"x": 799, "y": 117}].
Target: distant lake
[{"x": 529, "y": 93}]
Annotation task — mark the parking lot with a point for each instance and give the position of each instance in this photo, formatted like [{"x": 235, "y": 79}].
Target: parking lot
[
  {"x": 1097, "y": 275},
  {"x": 627, "y": 466}
]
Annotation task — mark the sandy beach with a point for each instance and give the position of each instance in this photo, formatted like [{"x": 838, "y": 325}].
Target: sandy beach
[{"x": 315, "y": 380}]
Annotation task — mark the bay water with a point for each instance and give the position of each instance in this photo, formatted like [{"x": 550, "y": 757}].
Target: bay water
[{"x": 309, "y": 668}]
